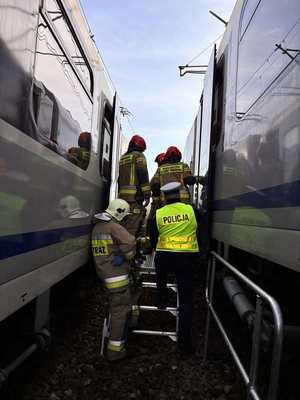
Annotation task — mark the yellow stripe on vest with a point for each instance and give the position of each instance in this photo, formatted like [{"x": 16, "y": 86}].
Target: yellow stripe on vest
[{"x": 178, "y": 246}]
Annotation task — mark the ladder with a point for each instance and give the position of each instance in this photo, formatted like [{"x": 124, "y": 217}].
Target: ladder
[{"x": 147, "y": 269}]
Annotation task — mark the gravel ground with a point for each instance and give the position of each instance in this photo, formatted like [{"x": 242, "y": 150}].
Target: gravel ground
[{"x": 73, "y": 368}]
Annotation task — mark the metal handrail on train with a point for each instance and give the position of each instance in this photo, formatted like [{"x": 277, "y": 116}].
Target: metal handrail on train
[{"x": 261, "y": 296}]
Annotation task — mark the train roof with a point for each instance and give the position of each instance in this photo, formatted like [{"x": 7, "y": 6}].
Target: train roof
[
  {"x": 232, "y": 24},
  {"x": 83, "y": 30}
]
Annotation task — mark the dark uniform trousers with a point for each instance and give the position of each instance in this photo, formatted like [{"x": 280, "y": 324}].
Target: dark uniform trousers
[{"x": 181, "y": 264}]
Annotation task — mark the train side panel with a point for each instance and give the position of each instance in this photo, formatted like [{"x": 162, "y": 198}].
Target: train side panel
[
  {"x": 255, "y": 140},
  {"x": 257, "y": 185},
  {"x": 47, "y": 99}
]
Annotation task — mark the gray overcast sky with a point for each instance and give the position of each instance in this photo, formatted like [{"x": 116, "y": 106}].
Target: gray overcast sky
[{"x": 142, "y": 43}]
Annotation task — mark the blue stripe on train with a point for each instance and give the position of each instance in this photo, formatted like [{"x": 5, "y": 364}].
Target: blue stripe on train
[
  {"x": 13, "y": 245},
  {"x": 286, "y": 195}
]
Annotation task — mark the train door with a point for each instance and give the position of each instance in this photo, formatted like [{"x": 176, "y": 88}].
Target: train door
[
  {"x": 106, "y": 150},
  {"x": 204, "y": 189},
  {"x": 116, "y": 149},
  {"x": 206, "y": 133},
  {"x": 197, "y": 146}
]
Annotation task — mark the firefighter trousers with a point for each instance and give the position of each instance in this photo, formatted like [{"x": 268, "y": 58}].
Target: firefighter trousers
[
  {"x": 116, "y": 280},
  {"x": 134, "y": 221}
]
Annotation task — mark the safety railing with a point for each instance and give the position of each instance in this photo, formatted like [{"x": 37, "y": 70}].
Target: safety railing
[{"x": 261, "y": 297}]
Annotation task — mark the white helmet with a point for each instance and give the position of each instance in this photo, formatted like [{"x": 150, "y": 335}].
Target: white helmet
[{"x": 118, "y": 209}]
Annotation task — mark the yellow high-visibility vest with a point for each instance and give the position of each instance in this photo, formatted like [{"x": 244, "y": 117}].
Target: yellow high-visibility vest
[{"x": 177, "y": 226}]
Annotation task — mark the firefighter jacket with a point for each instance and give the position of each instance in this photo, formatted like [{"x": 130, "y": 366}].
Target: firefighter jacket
[
  {"x": 133, "y": 177},
  {"x": 177, "y": 228},
  {"x": 111, "y": 242},
  {"x": 172, "y": 172}
]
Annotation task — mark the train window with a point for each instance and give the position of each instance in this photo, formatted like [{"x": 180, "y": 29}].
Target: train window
[
  {"x": 44, "y": 110},
  {"x": 64, "y": 30},
  {"x": 260, "y": 62},
  {"x": 71, "y": 110}
]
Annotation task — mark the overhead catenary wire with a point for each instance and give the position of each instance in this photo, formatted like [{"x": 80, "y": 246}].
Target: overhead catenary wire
[
  {"x": 130, "y": 124},
  {"x": 204, "y": 50}
]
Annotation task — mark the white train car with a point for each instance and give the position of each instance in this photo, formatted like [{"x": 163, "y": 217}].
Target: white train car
[
  {"x": 245, "y": 142},
  {"x": 246, "y": 137},
  {"x": 53, "y": 86}
]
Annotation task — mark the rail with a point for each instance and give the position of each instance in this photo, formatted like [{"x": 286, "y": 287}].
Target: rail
[{"x": 261, "y": 296}]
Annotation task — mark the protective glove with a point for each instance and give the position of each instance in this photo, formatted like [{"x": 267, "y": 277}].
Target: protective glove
[
  {"x": 146, "y": 202},
  {"x": 118, "y": 260}
]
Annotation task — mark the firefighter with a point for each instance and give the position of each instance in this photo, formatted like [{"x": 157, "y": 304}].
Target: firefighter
[
  {"x": 159, "y": 159},
  {"x": 134, "y": 183},
  {"x": 113, "y": 248},
  {"x": 81, "y": 155},
  {"x": 155, "y": 191},
  {"x": 174, "y": 236},
  {"x": 172, "y": 170}
]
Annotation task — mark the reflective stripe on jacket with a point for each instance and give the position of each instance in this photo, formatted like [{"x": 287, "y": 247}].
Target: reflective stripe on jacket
[
  {"x": 175, "y": 172},
  {"x": 177, "y": 226}
]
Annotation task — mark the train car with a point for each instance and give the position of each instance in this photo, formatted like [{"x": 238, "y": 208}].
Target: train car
[
  {"x": 246, "y": 141},
  {"x": 53, "y": 87}
]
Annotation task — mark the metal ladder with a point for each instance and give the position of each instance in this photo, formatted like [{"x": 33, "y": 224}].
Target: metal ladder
[{"x": 148, "y": 269}]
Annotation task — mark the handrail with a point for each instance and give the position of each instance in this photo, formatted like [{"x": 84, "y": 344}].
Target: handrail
[{"x": 261, "y": 296}]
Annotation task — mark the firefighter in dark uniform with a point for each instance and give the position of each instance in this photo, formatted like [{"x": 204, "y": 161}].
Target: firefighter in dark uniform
[
  {"x": 134, "y": 183},
  {"x": 81, "y": 155},
  {"x": 113, "y": 248},
  {"x": 155, "y": 192},
  {"x": 172, "y": 170},
  {"x": 174, "y": 236}
]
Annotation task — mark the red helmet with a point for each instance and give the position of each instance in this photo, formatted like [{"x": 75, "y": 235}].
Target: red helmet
[
  {"x": 172, "y": 151},
  {"x": 160, "y": 158},
  {"x": 138, "y": 142},
  {"x": 84, "y": 140}
]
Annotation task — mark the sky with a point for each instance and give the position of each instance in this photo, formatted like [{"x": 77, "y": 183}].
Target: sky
[{"x": 142, "y": 43}]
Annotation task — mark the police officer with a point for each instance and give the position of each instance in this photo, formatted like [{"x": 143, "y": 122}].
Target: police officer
[
  {"x": 113, "y": 247},
  {"x": 174, "y": 236},
  {"x": 134, "y": 183},
  {"x": 172, "y": 170}
]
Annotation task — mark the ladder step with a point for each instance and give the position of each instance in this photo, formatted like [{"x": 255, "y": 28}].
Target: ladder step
[
  {"x": 147, "y": 273},
  {"x": 157, "y": 333},
  {"x": 153, "y": 285},
  {"x": 153, "y": 308}
]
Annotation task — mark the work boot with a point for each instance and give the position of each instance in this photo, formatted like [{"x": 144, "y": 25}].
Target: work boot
[{"x": 115, "y": 355}]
